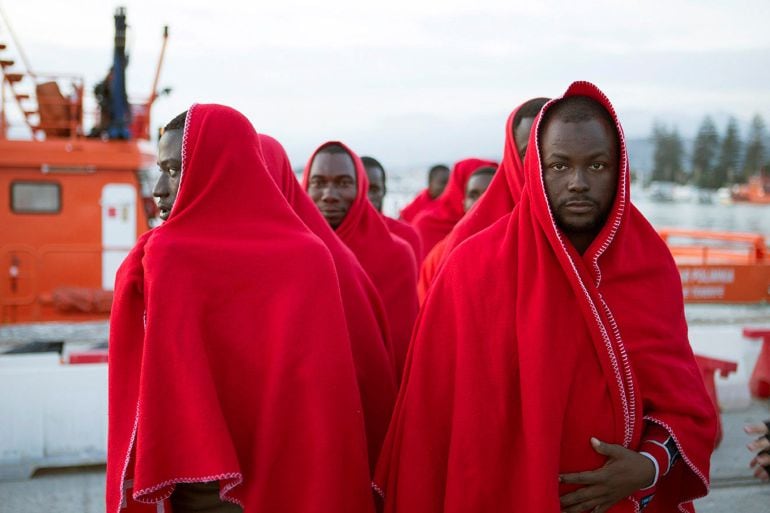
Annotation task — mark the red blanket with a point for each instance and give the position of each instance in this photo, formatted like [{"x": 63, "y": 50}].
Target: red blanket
[
  {"x": 388, "y": 260},
  {"x": 366, "y": 319},
  {"x": 408, "y": 234},
  {"x": 499, "y": 199},
  {"x": 429, "y": 269},
  {"x": 438, "y": 219},
  {"x": 524, "y": 350},
  {"x": 229, "y": 357},
  {"x": 418, "y": 204},
  {"x": 501, "y": 196}
]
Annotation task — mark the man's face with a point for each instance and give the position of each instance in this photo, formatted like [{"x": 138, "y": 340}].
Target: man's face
[
  {"x": 170, "y": 164},
  {"x": 580, "y": 171},
  {"x": 376, "y": 191},
  {"x": 477, "y": 185},
  {"x": 521, "y": 135},
  {"x": 332, "y": 185},
  {"x": 438, "y": 182}
]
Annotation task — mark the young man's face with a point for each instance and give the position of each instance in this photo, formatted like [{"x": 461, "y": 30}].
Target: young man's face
[
  {"x": 580, "y": 171},
  {"x": 170, "y": 164},
  {"x": 376, "y": 191},
  {"x": 332, "y": 185},
  {"x": 521, "y": 135},
  {"x": 438, "y": 181},
  {"x": 477, "y": 185}
]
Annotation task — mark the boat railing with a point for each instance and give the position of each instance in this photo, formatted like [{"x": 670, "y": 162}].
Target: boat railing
[
  {"x": 34, "y": 103},
  {"x": 702, "y": 247}
]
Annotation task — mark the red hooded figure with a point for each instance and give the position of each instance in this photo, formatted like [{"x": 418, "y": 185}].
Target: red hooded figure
[
  {"x": 526, "y": 349},
  {"x": 499, "y": 199},
  {"x": 387, "y": 259},
  {"x": 437, "y": 220},
  {"x": 417, "y": 205},
  {"x": 366, "y": 319},
  {"x": 218, "y": 371},
  {"x": 503, "y": 194}
]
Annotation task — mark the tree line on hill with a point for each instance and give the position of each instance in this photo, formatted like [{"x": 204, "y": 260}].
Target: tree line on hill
[{"x": 716, "y": 160}]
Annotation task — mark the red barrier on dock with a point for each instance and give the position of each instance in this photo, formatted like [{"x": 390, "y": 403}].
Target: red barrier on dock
[
  {"x": 759, "y": 383},
  {"x": 93, "y": 356},
  {"x": 708, "y": 369}
]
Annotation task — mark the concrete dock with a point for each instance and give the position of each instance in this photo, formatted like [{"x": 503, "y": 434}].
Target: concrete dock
[
  {"x": 733, "y": 487},
  {"x": 81, "y": 489}
]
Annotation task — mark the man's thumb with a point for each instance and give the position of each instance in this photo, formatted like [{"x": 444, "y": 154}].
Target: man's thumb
[{"x": 601, "y": 447}]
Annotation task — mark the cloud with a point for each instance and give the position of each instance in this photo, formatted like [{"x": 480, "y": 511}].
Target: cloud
[{"x": 418, "y": 81}]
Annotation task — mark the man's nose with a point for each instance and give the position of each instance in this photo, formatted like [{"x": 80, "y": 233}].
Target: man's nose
[
  {"x": 578, "y": 182},
  {"x": 161, "y": 189},
  {"x": 329, "y": 194}
]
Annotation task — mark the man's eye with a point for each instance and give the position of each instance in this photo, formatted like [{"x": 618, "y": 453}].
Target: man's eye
[
  {"x": 597, "y": 166},
  {"x": 558, "y": 166}
]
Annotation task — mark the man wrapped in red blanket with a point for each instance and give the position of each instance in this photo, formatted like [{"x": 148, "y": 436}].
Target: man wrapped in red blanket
[{"x": 550, "y": 368}]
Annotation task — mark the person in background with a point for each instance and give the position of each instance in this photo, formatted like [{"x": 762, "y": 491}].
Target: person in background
[
  {"x": 437, "y": 220},
  {"x": 550, "y": 368},
  {"x": 438, "y": 178},
  {"x": 214, "y": 405},
  {"x": 377, "y": 191},
  {"x": 503, "y": 192},
  {"x": 365, "y": 314},
  {"x": 477, "y": 186},
  {"x": 336, "y": 181}
]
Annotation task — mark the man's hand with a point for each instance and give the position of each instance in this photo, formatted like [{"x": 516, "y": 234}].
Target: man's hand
[
  {"x": 761, "y": 446},
  {"x": 625, "y": 473}
]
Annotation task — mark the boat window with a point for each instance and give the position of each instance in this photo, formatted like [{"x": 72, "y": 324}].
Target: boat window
[{"x": 35, "y": 197}]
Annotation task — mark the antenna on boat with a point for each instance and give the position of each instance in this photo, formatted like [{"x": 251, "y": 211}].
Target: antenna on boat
[
  {"x": 154, "y": 93},
  {"x": 120, "y": 111}
]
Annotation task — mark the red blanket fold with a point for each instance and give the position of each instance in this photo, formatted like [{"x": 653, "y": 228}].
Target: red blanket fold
[
  {"x": 366, "y": 319},
  {"x": 418, "y": 204},
  {"x": 501, "y": 196},
  {"x": 525, "y": 349},
  {"x": 408, "y": 234},
  {"x": 429, "y": 269},
  {"x": 388, "y": 260},
  {"x": 218, "y": 368},
  {"x": 438, "y": 219}
]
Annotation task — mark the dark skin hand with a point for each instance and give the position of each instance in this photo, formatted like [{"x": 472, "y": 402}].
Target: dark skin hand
[
  {"x": 624, "y": 473},
  {"x": 759, "y": 461}
]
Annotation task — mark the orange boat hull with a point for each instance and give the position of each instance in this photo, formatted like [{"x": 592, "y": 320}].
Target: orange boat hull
[
  {"x": 725, "y": 283},
  {"x": 720, "y": 267}
]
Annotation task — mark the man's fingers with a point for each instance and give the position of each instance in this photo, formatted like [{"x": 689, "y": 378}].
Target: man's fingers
[
  {"x": 760, "y": 444},
  {"x": 761, "y": 473},
  {"x": 763, "y": 459},
  {"x": 605, "y": 448},
  {"x": 588, "y": 505},
  {"x": 580, "y": 496},
  {"x": 755, "y": 429},
  {"x": 582, "y": 478}
]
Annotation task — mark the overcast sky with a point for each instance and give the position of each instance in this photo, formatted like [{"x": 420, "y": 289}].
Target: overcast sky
[{"x": 417, "y": 81}]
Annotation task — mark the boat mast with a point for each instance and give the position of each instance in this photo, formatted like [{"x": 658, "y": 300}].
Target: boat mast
[{"x": 121, "y": 114}]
